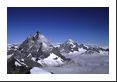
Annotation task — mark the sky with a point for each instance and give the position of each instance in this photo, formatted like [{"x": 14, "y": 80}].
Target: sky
[{"x": 81, "y": 24}]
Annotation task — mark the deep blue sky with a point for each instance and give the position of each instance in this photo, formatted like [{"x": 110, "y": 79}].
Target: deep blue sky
[{"x": 82, "y": 24}]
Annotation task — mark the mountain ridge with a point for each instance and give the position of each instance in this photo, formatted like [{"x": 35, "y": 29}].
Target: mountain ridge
[{"x": 37, "y": 51}]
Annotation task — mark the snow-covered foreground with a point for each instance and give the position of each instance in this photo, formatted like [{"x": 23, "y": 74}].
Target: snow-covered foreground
[
  {"x": 36, "y": 70},
  {"x": 83, "y": 64}
]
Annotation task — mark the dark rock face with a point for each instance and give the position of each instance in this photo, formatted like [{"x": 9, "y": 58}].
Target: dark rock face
[
  {"x": 13, "y": 69},
  {"x": 10, "y": 52}
]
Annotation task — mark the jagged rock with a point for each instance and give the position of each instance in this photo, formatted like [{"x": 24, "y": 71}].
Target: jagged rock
[{"x": 13, "y": 69}]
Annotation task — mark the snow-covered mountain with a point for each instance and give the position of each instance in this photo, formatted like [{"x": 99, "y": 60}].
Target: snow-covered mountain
[
  {"x": 69, "y": 46},
  {"x": 72, "y": 47},
  {"x": 38, "y": 51}
]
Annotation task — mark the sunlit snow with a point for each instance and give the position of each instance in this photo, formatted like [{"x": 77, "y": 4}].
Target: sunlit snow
[{"x": 37, "y": 70}]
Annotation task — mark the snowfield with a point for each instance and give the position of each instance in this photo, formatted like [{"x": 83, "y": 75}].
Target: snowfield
[
  {"x": 52, "y": 60},
  {"x": 36, "y": 70}
]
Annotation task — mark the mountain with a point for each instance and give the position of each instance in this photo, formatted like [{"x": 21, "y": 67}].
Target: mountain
[
  {"x": 95, "y": 49},
  {"x": 69, "y": 46},
  {"x": 35, "y": 51},
  {"x": 72, "y": 47}
]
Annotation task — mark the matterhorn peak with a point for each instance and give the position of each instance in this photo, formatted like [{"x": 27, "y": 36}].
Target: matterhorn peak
[{"x": 37, "y": 34}]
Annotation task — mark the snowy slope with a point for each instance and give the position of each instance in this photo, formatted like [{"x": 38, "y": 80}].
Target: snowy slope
[
  {"x": 52, "y": 60},
  {"x": 37, "y": 70}
]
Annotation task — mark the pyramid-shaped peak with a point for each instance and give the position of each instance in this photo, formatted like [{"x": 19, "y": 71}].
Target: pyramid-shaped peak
[{"x": 37, "y": 34}]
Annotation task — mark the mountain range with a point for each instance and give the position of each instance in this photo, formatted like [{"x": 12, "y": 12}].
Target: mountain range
[{"x": 37, "y": 51}]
